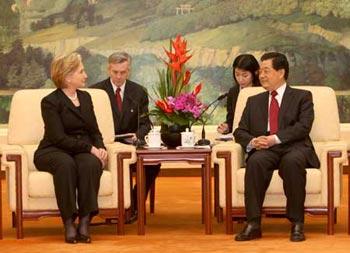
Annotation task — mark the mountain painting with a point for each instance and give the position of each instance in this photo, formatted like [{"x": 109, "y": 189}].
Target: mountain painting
[{"x": 315, "y": 36}]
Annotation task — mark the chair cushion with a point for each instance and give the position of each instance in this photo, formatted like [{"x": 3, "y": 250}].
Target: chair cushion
[
  {"x": 30, "y": 150},
  {"x": 313, "y": 182},
  {"x": 326, "y": 125},
  {"x": 26, "y": 126},
  {"x": 41, "y": 184}
]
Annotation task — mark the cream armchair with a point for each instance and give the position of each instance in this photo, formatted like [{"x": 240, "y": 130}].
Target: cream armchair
[
  {"x": 323, "y": 187},
  {"x": 31, "y": 192}
]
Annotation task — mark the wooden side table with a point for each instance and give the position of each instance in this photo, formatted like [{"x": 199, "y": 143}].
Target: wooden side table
[{"x": 156, "y": 156}]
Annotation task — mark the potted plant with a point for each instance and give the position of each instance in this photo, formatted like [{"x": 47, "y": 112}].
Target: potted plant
[{"x": 177, "y": 106}]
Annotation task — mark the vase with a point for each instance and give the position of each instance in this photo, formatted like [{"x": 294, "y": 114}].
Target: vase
[{"x": 171, "y": 135}]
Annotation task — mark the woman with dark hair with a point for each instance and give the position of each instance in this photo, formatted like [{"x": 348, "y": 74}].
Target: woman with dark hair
[{"x": 245, "y": 73}]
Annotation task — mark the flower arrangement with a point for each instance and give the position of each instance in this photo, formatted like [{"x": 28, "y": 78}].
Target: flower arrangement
[{"x": 176, "y": 103}]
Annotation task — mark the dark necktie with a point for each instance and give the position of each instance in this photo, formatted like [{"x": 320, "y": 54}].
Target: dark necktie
[
  {"x": 118, "y": 99},
  {"x": 273, "y": 112}
]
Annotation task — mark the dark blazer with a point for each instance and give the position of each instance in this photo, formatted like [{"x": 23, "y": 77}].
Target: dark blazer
[
  {"x": 135, "y": 97},
  {"x": 295, "y": 120},
  {"x": 231, "y": 105},
  {"x": 68, "y": 128}
]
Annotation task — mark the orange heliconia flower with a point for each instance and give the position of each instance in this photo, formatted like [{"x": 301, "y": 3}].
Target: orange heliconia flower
[
  {"x": 177, "y": 59},
  {"x": 184, "y": 58},
  {"x": 163, "y": 105},
  {"x": 197, "y": 89},
  {"x": 187, "y": 77},
  {"x": 172, "y": 57},
  {"x": 175, "y": 66},
  {"x": 179, "y": 45}
]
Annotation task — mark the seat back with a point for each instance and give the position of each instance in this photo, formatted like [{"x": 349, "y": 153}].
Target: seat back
[
  {"x": 326, "y": 126},
  {"x": 26, "y": 126}
]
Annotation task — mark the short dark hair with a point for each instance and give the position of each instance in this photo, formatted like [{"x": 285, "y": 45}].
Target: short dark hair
[
  {"x": 247, "y": 62},
  {"x": 279, "y": 61}
]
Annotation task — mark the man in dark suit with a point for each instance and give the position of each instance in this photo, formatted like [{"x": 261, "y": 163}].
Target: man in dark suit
[
  {"x": 129, "y": 103},
  {"x": 274, "y": 131}
]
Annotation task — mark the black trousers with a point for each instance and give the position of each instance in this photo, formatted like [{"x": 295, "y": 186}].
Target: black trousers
[
  {"x": 74, "y": 176},
  {"x": 291, "y": 166},
  {"x": 151, "y": 173}
]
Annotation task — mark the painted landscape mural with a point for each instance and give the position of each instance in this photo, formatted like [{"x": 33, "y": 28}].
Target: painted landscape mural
[{"x": 315, "y": 35}]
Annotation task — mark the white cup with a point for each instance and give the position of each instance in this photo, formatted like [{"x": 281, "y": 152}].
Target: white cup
[
  {"x": 153, "y": 139},
  {"x": 188, "y": 139}
]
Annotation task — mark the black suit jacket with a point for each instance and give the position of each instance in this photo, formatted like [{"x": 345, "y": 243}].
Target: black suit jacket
[
  {"x": 295, "y": 120},
  {"x": 135, "y": 98},
  {"x": 231, "y": 105},
  {"x": 68, "y": 128}
]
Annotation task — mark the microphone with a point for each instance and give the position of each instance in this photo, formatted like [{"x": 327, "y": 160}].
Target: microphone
[
  {"x": 138, "y": 142},
  {"x": 204, "y": 141},
  {"x": 221, "y": 97}
]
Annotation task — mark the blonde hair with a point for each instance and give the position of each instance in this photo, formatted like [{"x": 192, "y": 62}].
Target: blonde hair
[{"x": 62, "y": 66}]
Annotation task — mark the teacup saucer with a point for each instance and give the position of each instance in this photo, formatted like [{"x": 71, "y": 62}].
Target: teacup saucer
[
  {"x": 159, "y": 147},
  {"x": 194, "y": 147},
  {"x": 185, "y": 147}
]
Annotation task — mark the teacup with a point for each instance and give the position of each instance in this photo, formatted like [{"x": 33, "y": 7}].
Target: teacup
[
  {"x": 188, "y": 139},
  {"x": 153, "y": 139}
]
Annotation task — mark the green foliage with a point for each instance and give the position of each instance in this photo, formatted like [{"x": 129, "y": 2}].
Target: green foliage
[
  {"x": 245, "y": 25},
  {"x": 29, "y": 75},
  {"x": 9, "y": 23},
  {"x": 216, "y": 13},
  {"x": 329, "y": 22},
  {"x": 344, "y": 108},
  {"x": 78, "y": 12},
  {"x": 144, "y": 70},
  {"x": 151, "y": 3},
  {"x": 5, "y": 102},
  {"x": 94, "y": 65},
  {"x": 337, "y": 8},
  {"x": 162, "y": 90},
  {"x": 24, "y": 68}
]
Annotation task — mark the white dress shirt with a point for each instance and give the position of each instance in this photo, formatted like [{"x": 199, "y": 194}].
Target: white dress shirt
[
  {"x": 280, "y": 92},
  {"x": 122, "y": 89}
]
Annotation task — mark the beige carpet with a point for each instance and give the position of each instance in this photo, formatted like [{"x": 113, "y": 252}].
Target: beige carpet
[{"x": 176, "y": 227}]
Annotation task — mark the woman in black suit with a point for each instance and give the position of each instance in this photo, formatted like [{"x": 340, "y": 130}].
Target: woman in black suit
[
  {"x": 72, "y": 149},
  {"x": 245, "y": 73}
]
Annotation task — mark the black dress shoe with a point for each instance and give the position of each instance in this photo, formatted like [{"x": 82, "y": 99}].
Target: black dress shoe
[
  {"x": 250, "y": 232},
  {"x": 297, "y": 232},
  {"x": 83, "y": 234},
  {"x": 70, "y": 231},
  {"x": 84, "y": 238},
  {"x": 71, "y": 240}
]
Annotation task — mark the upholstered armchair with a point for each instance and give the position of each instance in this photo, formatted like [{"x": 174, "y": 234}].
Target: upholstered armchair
[
  {"x": 31, "y": 192},
  {"x": 323, "y": 187}
]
